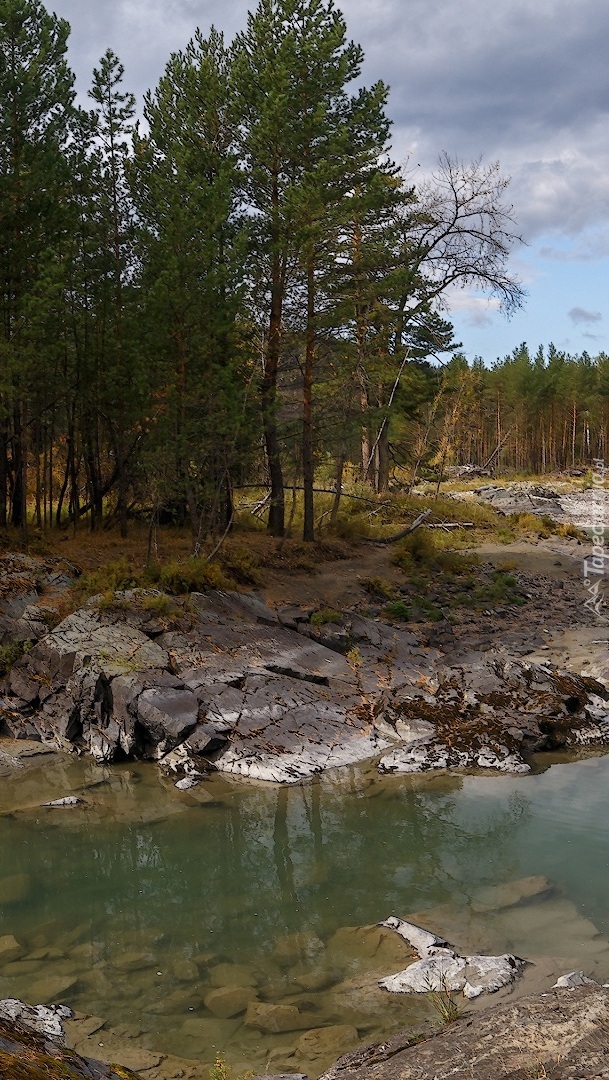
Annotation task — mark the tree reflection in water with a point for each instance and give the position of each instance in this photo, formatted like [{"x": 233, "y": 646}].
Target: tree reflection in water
[{"x": 268, "y": 861}]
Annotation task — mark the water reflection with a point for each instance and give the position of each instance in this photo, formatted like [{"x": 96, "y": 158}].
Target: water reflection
[{"x": 151, "y": 881}]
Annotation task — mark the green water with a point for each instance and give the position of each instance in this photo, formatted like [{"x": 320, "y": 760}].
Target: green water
[{"x": 144, "y": 892}]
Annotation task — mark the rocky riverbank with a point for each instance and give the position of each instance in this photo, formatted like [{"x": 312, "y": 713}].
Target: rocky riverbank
[
  {"x": 561, "y": 1034},
  {"x": 558, "y": 1035},
  {"x": 559, "y": 499},
  {"x": 278, "y": 693}
]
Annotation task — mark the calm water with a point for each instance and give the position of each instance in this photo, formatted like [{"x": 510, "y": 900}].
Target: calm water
[{"x": 141, "y": 894}]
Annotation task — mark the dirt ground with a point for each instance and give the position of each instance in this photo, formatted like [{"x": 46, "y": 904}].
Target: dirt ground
[{"x": 339, "y": 584}]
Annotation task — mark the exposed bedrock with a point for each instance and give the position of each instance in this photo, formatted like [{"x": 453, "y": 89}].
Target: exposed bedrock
[
  {"x": 559, "y": 1035},
  {"x": 224, "y": 679}
]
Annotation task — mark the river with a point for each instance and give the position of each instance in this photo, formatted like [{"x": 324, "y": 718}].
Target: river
[{"x": 136, "y": 900}]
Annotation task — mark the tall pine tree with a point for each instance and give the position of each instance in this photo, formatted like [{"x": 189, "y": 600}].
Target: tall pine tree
[
  {"x": 35, "y": 107},
  {"x": 187, "y": 187}
]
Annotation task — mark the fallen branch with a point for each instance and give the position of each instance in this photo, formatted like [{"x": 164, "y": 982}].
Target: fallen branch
[
  {"x": 404, "y": 532},
  {"x": 447, "y": 525}
]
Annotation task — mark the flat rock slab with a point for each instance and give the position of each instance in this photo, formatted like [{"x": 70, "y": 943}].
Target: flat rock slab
[{"x": 561, "y": 1035}]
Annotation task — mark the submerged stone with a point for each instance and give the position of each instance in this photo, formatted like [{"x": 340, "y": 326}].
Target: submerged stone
[
  {"x": 233, "y": 975},
  {"x": 323, "y": 1041},
  {"x": 229, "y": 1001},
  {"x": 277, "y": 1018},
  {"x": 499, "y": 897},
  {"x": 10, "y": 949}
]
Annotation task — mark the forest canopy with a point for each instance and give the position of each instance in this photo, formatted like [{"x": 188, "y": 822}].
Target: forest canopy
[{"x": 243, "y": 287}]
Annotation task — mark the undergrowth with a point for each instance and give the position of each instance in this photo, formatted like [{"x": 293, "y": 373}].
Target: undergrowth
[
  {"x": 444, "y": 1002},
  {"x": 502, "y": 589},
  {"x": 438, "y": 580},
  {"x": 10, "y": 654},
  {"x": 325, "y": 616},
  {"x": 420, "y": 551},
  {"x": 235, "y": 565}
]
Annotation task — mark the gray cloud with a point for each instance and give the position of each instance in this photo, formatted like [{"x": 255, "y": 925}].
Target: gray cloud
[
  {"x": 579, "y": 315},
  {"x": 525, "y": 84}
]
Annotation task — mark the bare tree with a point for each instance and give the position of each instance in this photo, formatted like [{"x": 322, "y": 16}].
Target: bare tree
[{"x": 458, "y": 232}]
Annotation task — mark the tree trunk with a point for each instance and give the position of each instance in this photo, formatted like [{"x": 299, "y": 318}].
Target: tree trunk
[
  {"x": 3, "y": 473},
  {"x": 307, "y": 413},
  {"x": 382, "y": 452},
  {"x": 276, "y": 521}
]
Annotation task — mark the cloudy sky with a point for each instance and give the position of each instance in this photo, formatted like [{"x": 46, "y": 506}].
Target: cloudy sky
[{"x": 520, "y": 82}]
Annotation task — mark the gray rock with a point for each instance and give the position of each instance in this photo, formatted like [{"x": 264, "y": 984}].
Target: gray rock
[
  {"x": 168, "y": 716},
  {"x": 561, "y": 1033},
  {"x": 45, "y": 1019},
  {"x": 441, "y": 968},
  {"x": 573, "y": 979}
]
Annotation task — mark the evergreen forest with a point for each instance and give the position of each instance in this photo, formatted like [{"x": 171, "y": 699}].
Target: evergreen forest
[{"x": 235, "y": 285}]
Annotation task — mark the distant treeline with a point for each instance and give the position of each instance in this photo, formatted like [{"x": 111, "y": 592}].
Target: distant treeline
[
  {"x": 245, "y": 288},
  {"x": 530, "y": 413}
]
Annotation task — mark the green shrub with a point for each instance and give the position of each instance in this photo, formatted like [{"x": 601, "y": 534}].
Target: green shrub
[
  {"x": 108, "y": 601},
  {"x": 452, "y": 562},
  {"x": 571, "y": 531},
  {"x": 506, "y": 535},
  {"x": 162, "y": 606},
  {"x": 10, "y": 654},
  {"x": 418, "y": 547},
  {"x": 379, "y": 587},
  {"x": 240, "y": 564},
  {"x": 397, "y": 610},
  {"x": 426, "y": 609},
  {"x": 502, "y": 589},
  {"x": 193, "y": 575},
  {"x": 324, "y": 616},
  {"x": 420, "y": 550},
  {"x": 525, "y": 522},
  {"x": 111, "y": 577}
]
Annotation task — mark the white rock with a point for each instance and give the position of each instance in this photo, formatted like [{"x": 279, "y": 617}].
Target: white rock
[
  {"x": 188, "y": 782},
  {"x": 444, "y": 972},
  {"x": 45, "y": 1019},
  {"x": 573, "y": 978},
  {"x": 70, "y": 800},
  {"x": 423, "y": 941},
  {"x": 487, "y": 974},
  {"x": 418, "y": 730},
  {"x": 442, "y": 968}
]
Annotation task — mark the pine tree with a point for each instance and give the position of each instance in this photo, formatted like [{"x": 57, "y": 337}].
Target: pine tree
[
  {"x": 116, "y": 317},
  {"x": 307, "y": 145},
  {"x": 187, "y": 187},
  {"x": 35, "y": 106}
]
